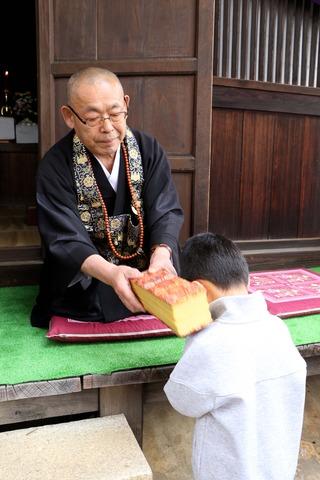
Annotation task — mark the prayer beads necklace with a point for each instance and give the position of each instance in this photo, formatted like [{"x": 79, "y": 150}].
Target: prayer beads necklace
[{"x": 136, "y": 210}]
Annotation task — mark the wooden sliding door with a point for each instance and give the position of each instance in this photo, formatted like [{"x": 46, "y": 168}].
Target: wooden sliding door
[{"x": 162, "y": 52}]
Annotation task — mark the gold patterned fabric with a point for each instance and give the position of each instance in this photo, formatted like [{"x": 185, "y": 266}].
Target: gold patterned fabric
[{"x": 124, "y": 231}]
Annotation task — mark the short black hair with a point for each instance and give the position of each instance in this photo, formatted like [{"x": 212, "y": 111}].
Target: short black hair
[{"x": 213, "y": 257}]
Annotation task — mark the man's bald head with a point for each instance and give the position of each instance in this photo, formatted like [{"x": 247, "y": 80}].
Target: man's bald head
[{"x": 90, "y": 76}]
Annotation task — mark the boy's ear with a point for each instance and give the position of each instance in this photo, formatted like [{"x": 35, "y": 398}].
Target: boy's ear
[{"x": 213, "y": 292}]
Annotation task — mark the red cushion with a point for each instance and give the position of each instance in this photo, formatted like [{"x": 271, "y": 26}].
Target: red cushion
[{"x": 141, "y": 326}]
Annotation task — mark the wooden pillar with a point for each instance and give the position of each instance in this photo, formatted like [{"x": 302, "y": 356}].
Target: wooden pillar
[{"x": 126, "y": 399}]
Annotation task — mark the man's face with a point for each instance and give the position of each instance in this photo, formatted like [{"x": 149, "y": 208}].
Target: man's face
[{"x": 99, "y": 99}]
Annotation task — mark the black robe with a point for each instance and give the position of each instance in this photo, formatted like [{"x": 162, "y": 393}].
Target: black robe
[{"x": 67, "y": 243}]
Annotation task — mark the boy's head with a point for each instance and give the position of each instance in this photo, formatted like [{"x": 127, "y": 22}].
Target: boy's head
[{"x": 217, "y": 262}]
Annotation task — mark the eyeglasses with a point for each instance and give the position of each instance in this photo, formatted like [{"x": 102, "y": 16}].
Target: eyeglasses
[{"x": 93, "y": 122}]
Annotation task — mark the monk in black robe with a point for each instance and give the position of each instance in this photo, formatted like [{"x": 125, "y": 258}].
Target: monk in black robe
[{"x": 107, "y": 207}]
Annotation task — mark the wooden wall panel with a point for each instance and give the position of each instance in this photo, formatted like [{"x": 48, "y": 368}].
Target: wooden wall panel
[
  {"x": 225, "y": 172},
  {"x": 146, "y": 28},
  {"x": 309, "y": 225},
  {"x": 280, "y": 161},
  {"x": 255, "y": 192},
  {"x": 286, "y": 176},
  {"x": 163, "y": 106},
  {"x": 183, "y": 182},
  {"x": 74, "y": 29},
  {"x": 17, "y": 175}
]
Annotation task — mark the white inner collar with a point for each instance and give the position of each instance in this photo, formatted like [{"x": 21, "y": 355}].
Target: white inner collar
[{"x": 114, "y": 175}]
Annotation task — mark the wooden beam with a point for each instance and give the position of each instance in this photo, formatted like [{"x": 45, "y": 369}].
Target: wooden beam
[
  {"x": 181, "y": 163},
  {"x": 266, "y": 86},
  {"x": 129, "y": 377},
  {"x": 309, "y": 350},
  {"x": 203, "y": 115},
  {"x": 131, "y": 66},
  {"x": 16, "y": 411},
  {"x": 41, "y": 389},
  {"x": 266, "y": 101}
]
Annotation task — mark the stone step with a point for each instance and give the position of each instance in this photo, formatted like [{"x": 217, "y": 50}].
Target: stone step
[{"x": 93, "y": 449}]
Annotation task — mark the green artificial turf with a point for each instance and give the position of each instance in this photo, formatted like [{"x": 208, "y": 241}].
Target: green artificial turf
[{"x": 27, "y": 355}]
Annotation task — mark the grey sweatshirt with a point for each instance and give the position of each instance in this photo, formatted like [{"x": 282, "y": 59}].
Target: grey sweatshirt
[{"x": 243, "y": 380}]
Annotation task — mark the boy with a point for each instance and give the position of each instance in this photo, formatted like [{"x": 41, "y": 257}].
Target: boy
[{"x": 241, "y": 377}]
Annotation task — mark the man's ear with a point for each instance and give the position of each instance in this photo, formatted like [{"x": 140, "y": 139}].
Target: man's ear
[
  {"x": 67, "y": 116},
  {"x": 127, "y": 100}
]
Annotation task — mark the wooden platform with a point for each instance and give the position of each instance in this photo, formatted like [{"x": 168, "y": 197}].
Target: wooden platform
[{"x": 119, "y": 392}]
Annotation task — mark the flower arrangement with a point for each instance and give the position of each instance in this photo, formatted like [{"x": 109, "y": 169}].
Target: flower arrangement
[{"x": 24, "y": 107}]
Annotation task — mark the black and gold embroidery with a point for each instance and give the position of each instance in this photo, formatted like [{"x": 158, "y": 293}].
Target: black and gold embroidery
[{"x": 124, "y": 232}]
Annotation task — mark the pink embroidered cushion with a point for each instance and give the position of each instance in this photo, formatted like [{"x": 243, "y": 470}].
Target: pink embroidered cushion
[
  {"x": 288, "y": 293},
  {"x": 64, "y": 329}
]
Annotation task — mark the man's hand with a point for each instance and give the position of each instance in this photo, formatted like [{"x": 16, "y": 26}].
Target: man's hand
[
  {"x": 161, "y": 258},
  {"x": 117, "y": 276},
  {"x": 121, "y": 285}
]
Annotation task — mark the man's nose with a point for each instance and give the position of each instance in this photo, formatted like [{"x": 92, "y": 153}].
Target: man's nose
[{"x": 106, "y": 124}]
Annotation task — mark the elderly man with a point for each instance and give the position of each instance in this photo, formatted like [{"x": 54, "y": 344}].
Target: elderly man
[{"x": 107, "y": 207}]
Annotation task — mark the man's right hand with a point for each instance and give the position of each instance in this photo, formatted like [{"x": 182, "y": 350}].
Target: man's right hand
[
  {"x": 120, "y": 282},
  {"x": 117, "y": 276}
]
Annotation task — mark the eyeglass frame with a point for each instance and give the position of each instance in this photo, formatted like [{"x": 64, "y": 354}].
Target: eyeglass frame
[{"x": 100, "y": 117}]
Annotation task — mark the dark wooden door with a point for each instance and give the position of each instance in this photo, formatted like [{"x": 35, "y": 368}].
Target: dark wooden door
[{"x": 162, "y": 51}]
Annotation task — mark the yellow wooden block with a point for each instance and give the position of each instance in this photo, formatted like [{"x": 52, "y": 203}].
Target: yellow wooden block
[{"x": 180, "y": 304}]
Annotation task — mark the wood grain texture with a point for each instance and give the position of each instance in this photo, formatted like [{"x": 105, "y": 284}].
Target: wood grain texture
[
  {"x": 28, "y": 409},
  {"x": 43, "y": 388},
  {"x": 265, "y": 86},
  {"x": 131, "y": 66},
  {"x": 203, "y": 115},
  {"x": 286, "y": 176},
  {"x": 309, "y": 220},
  {"x": 256, "y": 171},
  {"x": 142, "y": 375},
  {"x": 145, "y": 28},
  {"x": 17, "y": 176},
  {"x": 163, "y": 106},
  {"x": 225, "y": 175},
  {"x": 264, "y": 100},
  {"x": 75, "y": 32}
]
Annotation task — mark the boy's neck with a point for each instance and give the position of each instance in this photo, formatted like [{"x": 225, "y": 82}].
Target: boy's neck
[{"x": 214, "y": 292}]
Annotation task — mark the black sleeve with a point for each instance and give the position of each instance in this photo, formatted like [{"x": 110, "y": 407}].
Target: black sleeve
[{"x": 63, "y": 233}]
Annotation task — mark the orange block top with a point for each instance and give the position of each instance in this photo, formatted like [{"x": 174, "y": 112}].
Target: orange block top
[{"x": 168, "y": 287}]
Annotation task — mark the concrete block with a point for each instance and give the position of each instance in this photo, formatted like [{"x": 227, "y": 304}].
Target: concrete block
[{"x": 101, "y": 448}]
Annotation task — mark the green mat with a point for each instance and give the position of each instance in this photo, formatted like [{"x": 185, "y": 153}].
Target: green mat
[{"x": 27, "y": 355}]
